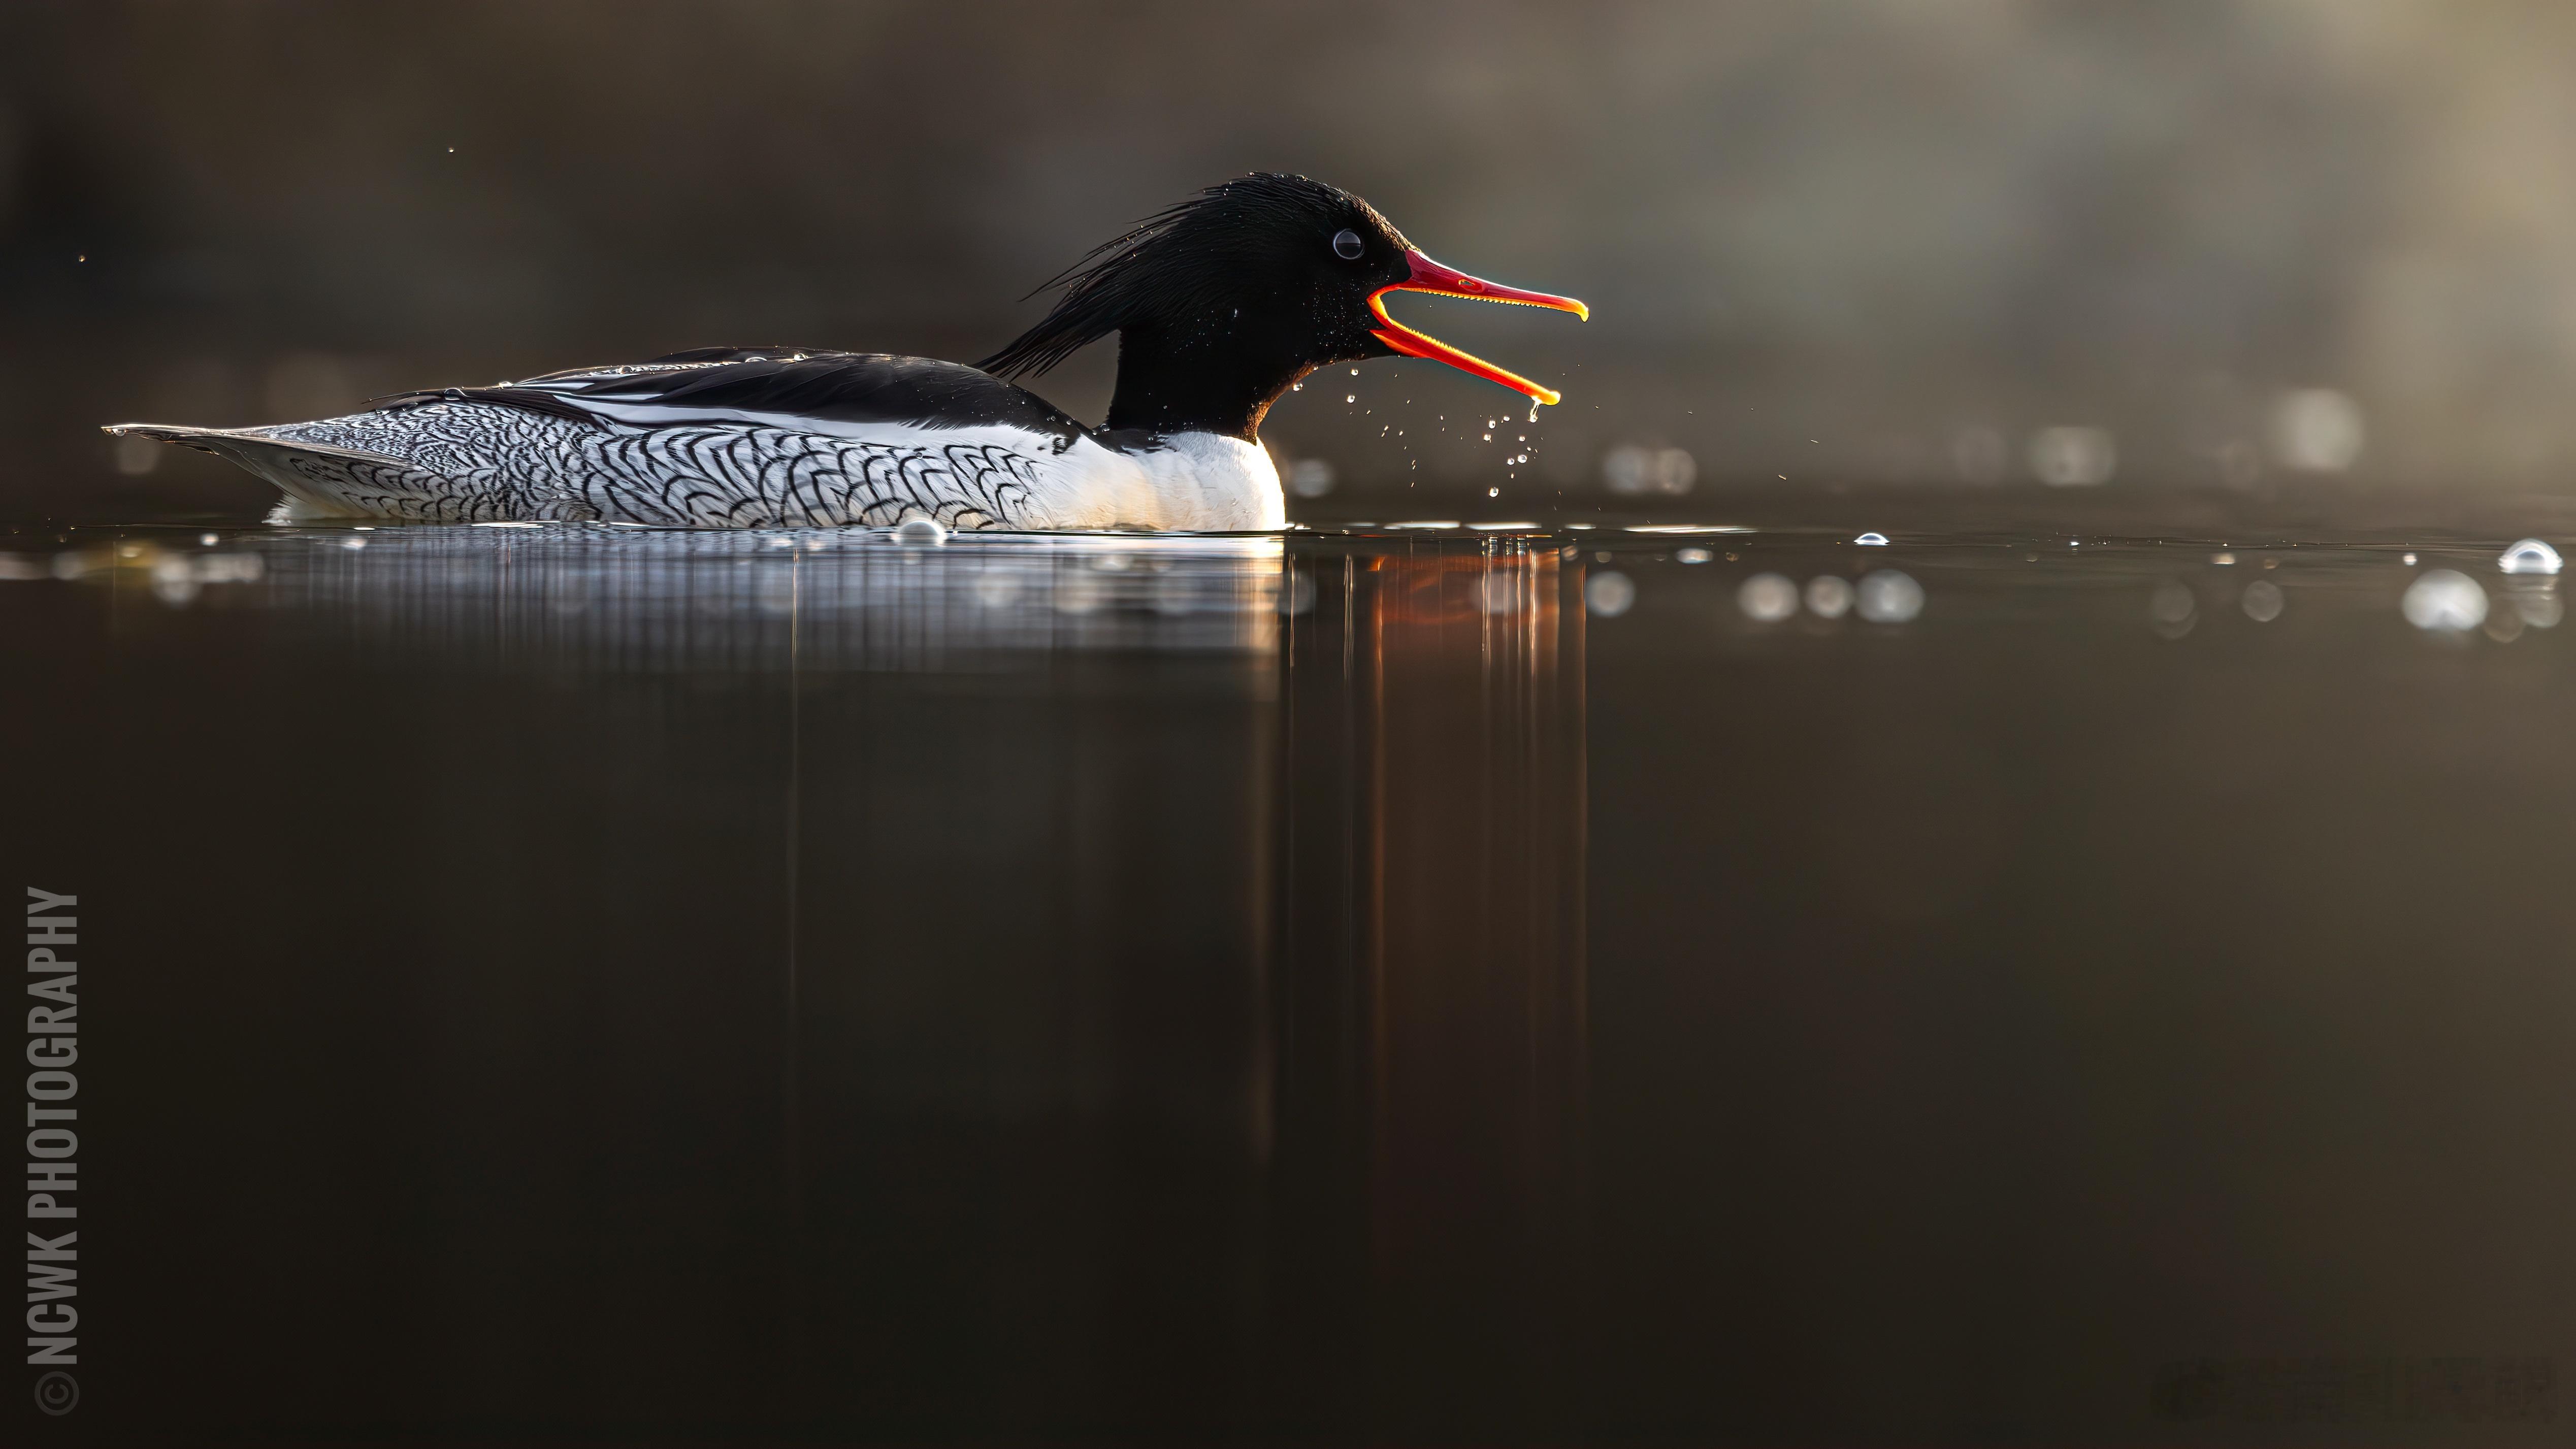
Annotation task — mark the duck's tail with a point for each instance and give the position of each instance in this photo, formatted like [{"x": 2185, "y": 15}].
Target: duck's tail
[{"x": 319, "y": 478}]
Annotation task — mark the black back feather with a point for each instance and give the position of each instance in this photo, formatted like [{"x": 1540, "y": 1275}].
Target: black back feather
[{"x": 849, "y": 387}]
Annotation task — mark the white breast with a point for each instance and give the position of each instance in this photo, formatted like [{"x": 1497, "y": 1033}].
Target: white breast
[{"x": 1193, "y": 482}]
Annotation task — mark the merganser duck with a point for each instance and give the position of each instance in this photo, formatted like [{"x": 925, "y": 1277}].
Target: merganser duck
[{"x": 1220, "y": 304}]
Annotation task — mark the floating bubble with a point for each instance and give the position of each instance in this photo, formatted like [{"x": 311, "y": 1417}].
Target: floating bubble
[
  {"x": 2262, "y": 601},
  {"x": 1871, "y": 540},
  {"x": 1609, "y": 593},
  {"x": 2530, "y": 556},
  {"x": 1828, "y": 597},
  {"x": 1889, "y": 597},
  {"x": 2445, "y": 601},
  {"x": 1767, "y": 598},
  {"x": 920, "y": 533}
]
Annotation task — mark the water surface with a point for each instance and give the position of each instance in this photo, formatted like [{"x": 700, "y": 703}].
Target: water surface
[{"x": 591, "y": 982}]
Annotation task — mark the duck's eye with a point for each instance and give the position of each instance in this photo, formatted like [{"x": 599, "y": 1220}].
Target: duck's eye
[{"x": 1347, "y": 245}]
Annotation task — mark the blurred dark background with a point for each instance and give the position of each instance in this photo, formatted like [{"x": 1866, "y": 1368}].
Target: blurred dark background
[{"x": 2207, "y": 244}]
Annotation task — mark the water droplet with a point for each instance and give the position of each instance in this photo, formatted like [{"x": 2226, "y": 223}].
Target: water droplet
[
  {"x": 1872, "y": 540},
  {"x": 2408, "y": 559},
  {"x": 1889, "y": 597},
  {"x": 1350, "y": 397},
  {"x": 2445, "y": 601},
  {"x": 1493, "y": 493},
  {"x": 207, "y": 539},
  {"x": 1828, "y": 597},
  {"x": 2222, "y": 559},
  {"x": 1296, "y": 387},
  {"x": 1355, "y": 372},
  {"x": 1609, "y": 593},
  {"x": 2530, "y": 556},
  {"x": 1692, "y": 555},
  {"x": 1767, "y": 598}
]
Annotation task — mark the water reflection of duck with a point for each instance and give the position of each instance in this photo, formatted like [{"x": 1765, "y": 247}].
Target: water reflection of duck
[{"x": 1220, "y": 304}]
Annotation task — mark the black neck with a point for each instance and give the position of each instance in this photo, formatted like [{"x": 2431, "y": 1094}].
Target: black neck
[{"x": 1198, "y": 384}]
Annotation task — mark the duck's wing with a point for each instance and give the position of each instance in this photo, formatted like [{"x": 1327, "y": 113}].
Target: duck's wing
[{"x": 782, "y": 387}]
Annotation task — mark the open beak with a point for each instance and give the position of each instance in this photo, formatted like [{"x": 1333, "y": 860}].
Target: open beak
[{"x": 1430, "y": 276}]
